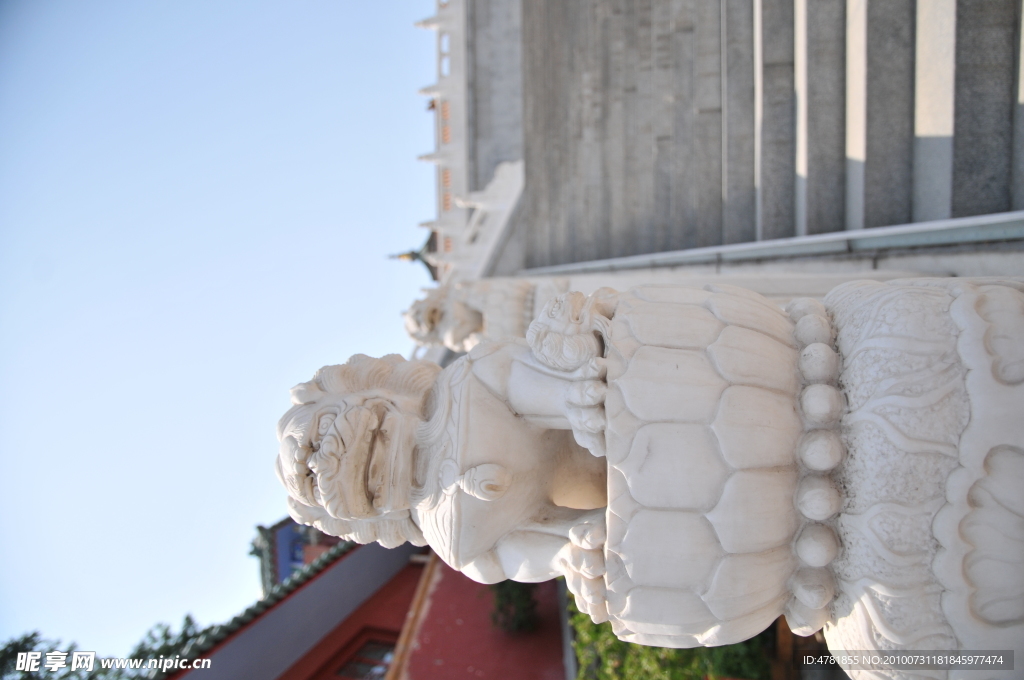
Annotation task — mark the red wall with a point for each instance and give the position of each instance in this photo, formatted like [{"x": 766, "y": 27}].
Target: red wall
[{"x": 457, "y": 639}]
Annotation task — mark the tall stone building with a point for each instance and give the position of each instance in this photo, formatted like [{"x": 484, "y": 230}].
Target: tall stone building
[{"x": 576, "y": 133}]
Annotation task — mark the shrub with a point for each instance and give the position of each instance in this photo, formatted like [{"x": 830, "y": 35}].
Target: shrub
[
  {"x": 602, "y": 656},
  {"x": 515, "y": 609}
]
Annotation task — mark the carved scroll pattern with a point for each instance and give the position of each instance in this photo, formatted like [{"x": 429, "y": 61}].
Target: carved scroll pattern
[
  {"x": 908, "y": 406},
  {"x": 995, "y": 527},
  {"x": 1003, "y": 308}
]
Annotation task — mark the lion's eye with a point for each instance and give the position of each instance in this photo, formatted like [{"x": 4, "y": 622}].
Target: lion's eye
[{"x": 324, "y": 425}]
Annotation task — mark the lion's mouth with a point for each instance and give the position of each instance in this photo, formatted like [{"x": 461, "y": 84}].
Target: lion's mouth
[
  {"x": 373, "y": 471},
  {"x": 386, "y": 472},
  {"x": 363, "y": 464},
  {"x": 578, "y": 307}
]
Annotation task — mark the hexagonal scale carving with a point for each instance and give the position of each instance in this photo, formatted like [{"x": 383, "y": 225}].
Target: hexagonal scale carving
[
  {"x": 674, "y": 465},
  {"x": 674, "y": 549},
  {"x": 744, "y": 583},
  {"x": 746, "y": 357},
  {"x": 756, "y": 510},
  {"x": 686, "y": 327},
  {"x": 666, "y": 612},
  {"x": 670, "y": 385},
  {"x": 757, "y": 428}
]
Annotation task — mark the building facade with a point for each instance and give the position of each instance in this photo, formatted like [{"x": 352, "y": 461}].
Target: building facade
[{"x": 663, "y": 126}]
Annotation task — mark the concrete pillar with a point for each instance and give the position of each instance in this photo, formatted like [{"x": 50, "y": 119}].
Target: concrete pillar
[
  {"x": 639, "y": 154},
  {"x": 934, "y": 70},
  {"x": 800, "y": 90},
  {"x": 888, "y": 170},
  {"x": 589, "y": 212},
  {"x": 708, "y": 133},
  {"x": 495, "y": 86},
  {"x": 615, "y": 124},
  {"x": 687, "y": 174},
  {"x": 1018, "y": 119},
  {"x": 777, "y": 137},
  {"x": 663, "y": 28},
  {"x": 738, "y": 220},
  {"x": 821, "y": 177},
  {"x": 758, "y": 35},
  {"x": 856, "y": 109},
  {"x": 986, "y": 40}
]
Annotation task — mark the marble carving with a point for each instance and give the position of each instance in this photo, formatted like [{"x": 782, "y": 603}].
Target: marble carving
[
  {"x": 461, "y": 315},
  {"x": 697, "y": 461}
]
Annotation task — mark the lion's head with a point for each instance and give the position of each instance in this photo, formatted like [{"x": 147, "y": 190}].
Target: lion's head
[
  {"x": 347, "y": 448},
  {"x": 441, "y": 319},
  {"x": 563, "y": 334},
  {"x": 423, "y": 318}
]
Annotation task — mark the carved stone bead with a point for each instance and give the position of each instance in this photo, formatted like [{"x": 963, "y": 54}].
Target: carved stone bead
[
  {"x": 819, "y": 363},
  {"x": 814, "y": 588},
  {"x": 817, "y": 498},
  {"x": 822, "y": 405},
  {"x": 804, "y": 620},
  {"x": 821, "y": 450},
  {"x": 813, "y": 328},
  {"x": 798, "y": 308},
  {"x": 817, "y": 545}
]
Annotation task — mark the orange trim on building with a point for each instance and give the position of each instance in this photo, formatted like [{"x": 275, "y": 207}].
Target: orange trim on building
[{"x": 414, "y": 619}]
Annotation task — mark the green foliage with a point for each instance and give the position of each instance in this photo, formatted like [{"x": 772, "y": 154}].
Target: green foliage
[
  {"x": 602, "y": 656},
  {"x": 515, "y": 609},
  {"x": 34, "y": 642},
  {"x": 159, "y": 640}
]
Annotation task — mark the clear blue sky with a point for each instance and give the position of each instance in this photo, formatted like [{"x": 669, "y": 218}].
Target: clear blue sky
[{"x": 196, "y": 203}]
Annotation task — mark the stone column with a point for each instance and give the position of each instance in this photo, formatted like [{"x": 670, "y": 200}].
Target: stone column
[
  {"x": 982, "y": 149},
  {"x": 820, "y": 86},
  {"x": 888, "y": 178},
  {"x": 777, "y": 126},
  {"x": 1018, "y": 121},
  {"x": 738, "y": 218}
]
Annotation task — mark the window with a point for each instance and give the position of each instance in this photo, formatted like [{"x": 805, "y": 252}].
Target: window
[{"x": 371, "y": 660}]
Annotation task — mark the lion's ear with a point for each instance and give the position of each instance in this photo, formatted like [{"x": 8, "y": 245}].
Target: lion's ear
[
  {"x": 488, "y": 482},
  {"x": 306, "y": 393}
]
